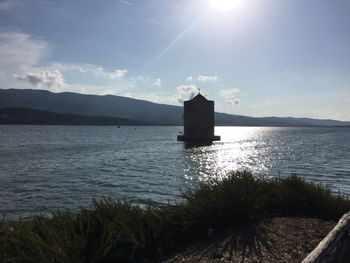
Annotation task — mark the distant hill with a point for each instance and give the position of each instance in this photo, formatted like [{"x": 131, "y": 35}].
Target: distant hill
[
  {"x": 239, "y": 120},
  {"x": 133, "y": 109},
  {"x": 91, "y": 105},
  {"x": 31, "y": 116}
]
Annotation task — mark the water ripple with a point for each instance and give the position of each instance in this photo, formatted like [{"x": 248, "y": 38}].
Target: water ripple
[{"x": 44, "y": 168}]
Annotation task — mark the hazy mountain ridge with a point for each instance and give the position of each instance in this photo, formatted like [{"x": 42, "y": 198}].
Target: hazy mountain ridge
[
  {"x": 91, "y": 105},
  {"x": 32, "y": 116},
  {"x": 134, "y": 109}
]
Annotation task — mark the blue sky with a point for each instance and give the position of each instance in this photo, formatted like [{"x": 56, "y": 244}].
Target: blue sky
[{"x": 260, "y": 58}]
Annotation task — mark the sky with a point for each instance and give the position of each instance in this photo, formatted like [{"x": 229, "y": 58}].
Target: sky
[{"x": 252, "y": 57}]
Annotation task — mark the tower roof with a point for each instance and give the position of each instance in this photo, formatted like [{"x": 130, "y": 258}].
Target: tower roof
[{"x": 199, "y": 97}]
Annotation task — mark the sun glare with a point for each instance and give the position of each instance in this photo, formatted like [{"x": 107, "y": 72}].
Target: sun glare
[{"x": 225, "y": 4}]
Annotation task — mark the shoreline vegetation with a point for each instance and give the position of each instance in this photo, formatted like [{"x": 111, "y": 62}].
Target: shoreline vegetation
[{"x": 249, "y": 210}]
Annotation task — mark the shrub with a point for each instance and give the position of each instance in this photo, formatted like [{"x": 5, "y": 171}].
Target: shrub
[{"x": 118, "y": 231}]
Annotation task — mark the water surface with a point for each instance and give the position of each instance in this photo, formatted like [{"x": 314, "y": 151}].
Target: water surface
[{"x": 43, "y": 168}]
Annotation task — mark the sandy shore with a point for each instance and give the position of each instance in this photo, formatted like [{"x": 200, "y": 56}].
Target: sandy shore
[{"x": 280, "y": 239}]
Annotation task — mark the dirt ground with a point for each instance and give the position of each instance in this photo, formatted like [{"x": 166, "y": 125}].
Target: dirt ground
[{"x": 279, "y": 239}]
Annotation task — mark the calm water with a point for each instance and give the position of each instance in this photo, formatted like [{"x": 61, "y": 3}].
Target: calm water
[{"x": 44, "y": 168}]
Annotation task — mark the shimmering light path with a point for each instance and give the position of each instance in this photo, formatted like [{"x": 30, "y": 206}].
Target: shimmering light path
[{"x": 43, "y": 168}]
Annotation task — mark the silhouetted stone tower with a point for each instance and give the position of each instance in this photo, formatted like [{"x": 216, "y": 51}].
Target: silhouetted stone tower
[{"x": 198, "y": 120}]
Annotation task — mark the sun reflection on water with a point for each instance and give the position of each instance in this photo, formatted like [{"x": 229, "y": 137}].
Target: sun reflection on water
[{"x": 240, "y": 148}]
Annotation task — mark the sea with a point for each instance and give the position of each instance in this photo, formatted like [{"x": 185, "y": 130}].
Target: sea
[{"x": 48, "y": 168}]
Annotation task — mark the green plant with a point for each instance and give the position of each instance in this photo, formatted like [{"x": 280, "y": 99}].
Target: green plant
[{"x": 119, "y": 231}]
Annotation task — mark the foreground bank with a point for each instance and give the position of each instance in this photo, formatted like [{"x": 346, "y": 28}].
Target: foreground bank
[{"x": 117, "y": 231}]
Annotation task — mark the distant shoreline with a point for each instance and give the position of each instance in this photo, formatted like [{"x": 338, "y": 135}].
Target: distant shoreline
[
  {"x": 26, "y": 116},
  {"x": 133, "y": 110},
  {"x": 157, "y": 125}
]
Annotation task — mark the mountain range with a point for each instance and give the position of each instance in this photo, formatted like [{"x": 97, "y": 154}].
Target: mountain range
[
  {"x": 125, "y": 110},
  {"x": 40, "y": 117}
]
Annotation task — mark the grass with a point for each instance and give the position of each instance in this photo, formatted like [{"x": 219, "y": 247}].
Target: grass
[{"x": 117, "y": 231}]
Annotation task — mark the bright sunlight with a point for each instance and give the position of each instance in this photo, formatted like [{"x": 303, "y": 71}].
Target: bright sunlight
[{"x": 225, "y": 4}]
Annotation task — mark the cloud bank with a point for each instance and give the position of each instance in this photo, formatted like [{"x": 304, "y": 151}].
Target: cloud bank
[
  {"x": 46, "y": 79},
  {"x": 203, "y": 78},
  {"x": 187, "y": 89},
  {"x": 91, "y": 69},
  {"x": 206, "y": 78},
  {"x": 157, "y": 83},
  {"x": 230, "y": 96},
  {"x": 19, "y": 51},
  {"x": 25, "y": 63}
]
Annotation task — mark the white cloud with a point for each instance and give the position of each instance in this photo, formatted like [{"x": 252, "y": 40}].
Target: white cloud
[
  {"x": 20, "y": 54},
  {"x": 157, "y": 83},
  {"x": 206, "y": 78},
  {"x": 92, "y": 69},
  {"x": 20, "y": 51},
  {"x": 186, "y": 89},
  {"x": 186, "y": 92},
  {"x": 230, "y": 96},
  {"x": 117, "y": 74},
  {"x": 23, "y": 65},
  {"x": 49, "y": 79},
  {"x": 233, "y": 101},
  {"x": 203, "y": 78}
]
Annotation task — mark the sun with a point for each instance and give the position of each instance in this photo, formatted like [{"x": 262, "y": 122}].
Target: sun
[{"x": 225, "y": 4}]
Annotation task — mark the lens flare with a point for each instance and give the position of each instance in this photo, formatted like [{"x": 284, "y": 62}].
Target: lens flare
[{"x": 225, "y": 4}]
